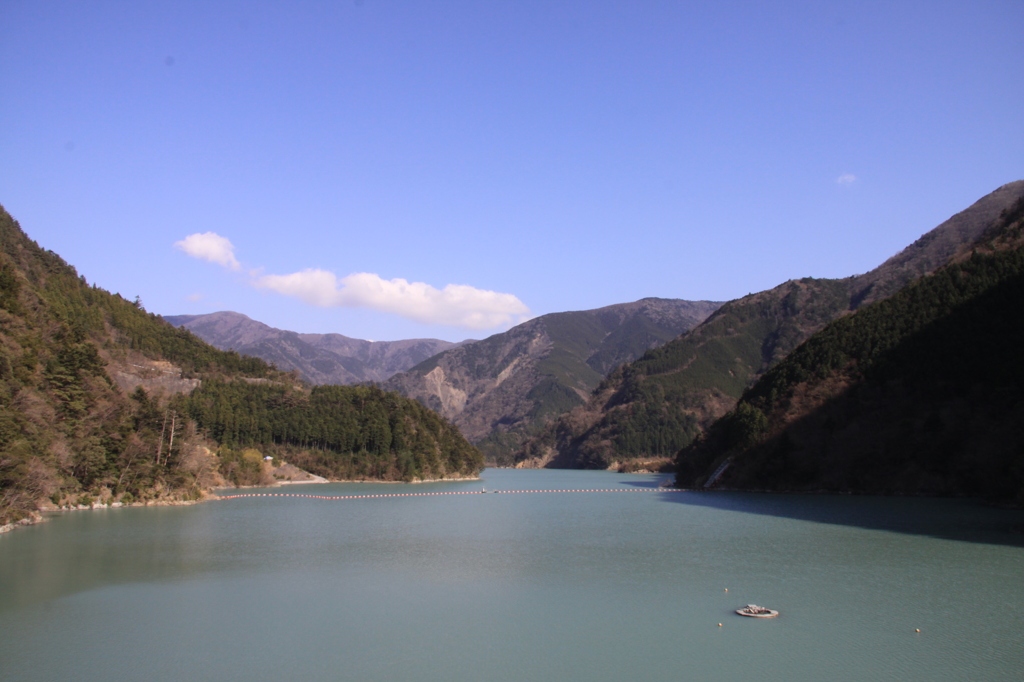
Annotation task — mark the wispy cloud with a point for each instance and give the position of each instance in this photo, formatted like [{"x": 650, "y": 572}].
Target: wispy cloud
[
  {"x": 457, "y": 305},
  {"x": 846, "y": 179},
  {"x": 210, "y": 246},
  {"x": 194, "y": 297}
]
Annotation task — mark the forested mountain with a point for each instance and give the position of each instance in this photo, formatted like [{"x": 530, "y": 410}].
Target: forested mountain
[
  {"x": 920, "y": 393},
  {"x": 94, "y": 403},
  {"x": 651, "y": 408},
  {"x": 500, "y": 390},
  {"x": 319, "y": 358},
  {"x": 339, "y": 432}
]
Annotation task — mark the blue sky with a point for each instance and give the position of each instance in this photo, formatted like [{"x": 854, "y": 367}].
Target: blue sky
[{"x": 440, "y": 169}]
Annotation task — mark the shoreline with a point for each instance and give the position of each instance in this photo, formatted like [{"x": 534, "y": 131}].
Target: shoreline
[
  {"x": 322, "y": 480},
  {"x": 42, "y": 515},
  {"x": 27, "y": 521},
  {"x": 39, "y": 516}
]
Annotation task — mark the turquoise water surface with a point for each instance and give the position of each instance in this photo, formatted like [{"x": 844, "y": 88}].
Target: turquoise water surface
[{"x": 542, "y": 586}]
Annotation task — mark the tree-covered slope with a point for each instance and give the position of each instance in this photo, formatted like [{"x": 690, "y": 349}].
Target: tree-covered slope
[
  {"x": 922, "y": 393},
  {"x": 500, "y": 390},
  {"x": 651, "y": 408},
  {"x": 659, "y": 403},
  {"x": 92, "y": 406},
  {"x": 338, "y": 432},
  {"x": 68, "y": 431}
]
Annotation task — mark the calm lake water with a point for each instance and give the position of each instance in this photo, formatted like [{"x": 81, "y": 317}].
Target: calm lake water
[{"x": 545, "y": 586}]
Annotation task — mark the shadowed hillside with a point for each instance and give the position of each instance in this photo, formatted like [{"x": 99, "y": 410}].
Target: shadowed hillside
[
  {"x": 651, "y": 408},
  {"x": 920, "y": 393}
]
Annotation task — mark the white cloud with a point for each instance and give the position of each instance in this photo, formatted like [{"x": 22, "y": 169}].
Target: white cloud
[
  {"x": 457, "y": 305},
  {"x": 210, "y": 246},
  {"x": 195, "y": 297},
  {"x": 846, "y": 179}
]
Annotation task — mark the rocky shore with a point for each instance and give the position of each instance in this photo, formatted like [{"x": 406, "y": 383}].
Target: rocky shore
[
  {"x": 38, "y": 517},
  {"x": 286, "y": 474}
]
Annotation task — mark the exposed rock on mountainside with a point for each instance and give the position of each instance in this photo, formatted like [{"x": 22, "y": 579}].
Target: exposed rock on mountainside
[
  {"x": 319, "y": 358},
  {"x": 920, "y": 393},
  {"x": 104, "y": 403},
  {"x": 154, "y": 376},
  {"x": 502, "y": 388},
  {"x": 660, "y": 403}
]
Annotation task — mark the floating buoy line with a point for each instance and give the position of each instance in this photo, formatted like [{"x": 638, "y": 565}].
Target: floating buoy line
[
  {"x": 749, "y": 610},
  {"x": 462, "y": 492}
]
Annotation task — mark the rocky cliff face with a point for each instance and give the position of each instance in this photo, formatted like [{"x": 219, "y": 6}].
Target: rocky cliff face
[
  {"x": 660, "y": 403},
  {"x": 500, "y": 389},
  {"x": 319, "y": 358},
  {"x": 156, "y": 377}
]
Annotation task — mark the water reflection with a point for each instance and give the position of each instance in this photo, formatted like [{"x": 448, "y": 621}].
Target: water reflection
[
  {"x": 964, "y": 520},
  {"x": 77, "y": 551},
  {"x": 596, "y": 586}
]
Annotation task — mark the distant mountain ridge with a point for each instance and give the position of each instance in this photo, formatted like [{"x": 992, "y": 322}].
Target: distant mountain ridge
[
  {"x": 500, "y": 390},
  {"x": 319, "y": 358},
  {"x": 658, "y": 404}
]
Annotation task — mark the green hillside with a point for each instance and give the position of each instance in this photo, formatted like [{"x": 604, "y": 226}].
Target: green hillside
[
  {"x": 93, "y": 405},
  {"x": 338, "y": 432},
  {"x": 646, "y": 411},
  {"x": 922, "y": 392},
  {"x": 659, "y": 403}
]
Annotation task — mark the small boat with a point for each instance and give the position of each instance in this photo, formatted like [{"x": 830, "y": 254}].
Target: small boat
[{"x": 755, "y": 611}]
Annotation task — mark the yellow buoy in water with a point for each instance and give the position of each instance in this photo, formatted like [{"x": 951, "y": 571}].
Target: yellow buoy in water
[
  {"x": 917, "y": 630},
  {"x": 719, "y": 625}
]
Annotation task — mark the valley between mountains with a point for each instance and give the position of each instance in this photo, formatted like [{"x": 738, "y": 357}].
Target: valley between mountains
[
  {"x": 906, "y": 379},
  {"x": 630, "y": 385}
]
